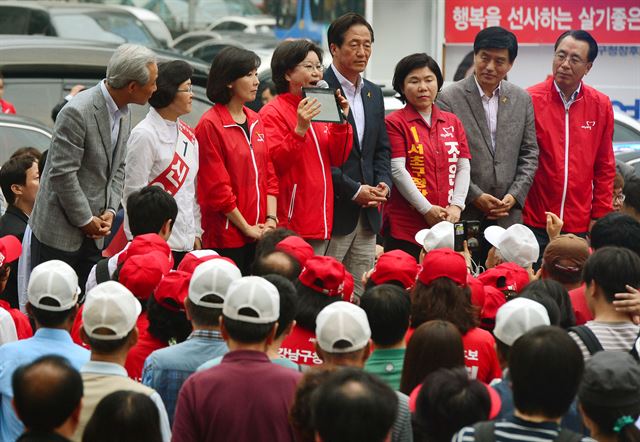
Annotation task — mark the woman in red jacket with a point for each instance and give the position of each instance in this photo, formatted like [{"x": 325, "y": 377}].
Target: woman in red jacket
[
  {"x": 303, "y": 152},
  {"x": 237, "y": 187},
  {"x": 429, "y": 157}
]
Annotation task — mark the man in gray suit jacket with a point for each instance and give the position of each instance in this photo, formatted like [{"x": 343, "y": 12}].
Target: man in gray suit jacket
[
  {"x": 81, "y": 185},
  {"x": 500, "y": 127}
]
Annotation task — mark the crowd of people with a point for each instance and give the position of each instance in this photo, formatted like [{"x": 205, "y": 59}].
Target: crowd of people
[{"x": 287, "y": 279}]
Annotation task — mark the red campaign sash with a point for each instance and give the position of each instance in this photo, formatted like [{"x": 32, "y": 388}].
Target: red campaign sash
[{"x": 173, "y": 177}]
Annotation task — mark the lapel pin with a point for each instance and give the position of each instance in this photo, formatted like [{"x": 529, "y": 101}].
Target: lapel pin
[
  {"x": 368, "y": 94},
  {"x": 504, "y": 100}
]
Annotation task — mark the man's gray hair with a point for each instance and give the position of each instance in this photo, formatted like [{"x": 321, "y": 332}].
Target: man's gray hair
[{"x": 129, "y": 63}]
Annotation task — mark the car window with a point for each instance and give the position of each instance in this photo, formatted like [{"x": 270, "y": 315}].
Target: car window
[
  {"x": 79, "y": 27},
  {"x": 34, "y": 97},
  {"x": 624, "y": 134},
  {"x": 40, "y": 24},
  {"x": 14, "y": 20},
  {"x": 208, "y": 52},
  {"x": 189, "y": 42},
  {"x": 16, "y": 136},
  {"x": 230, "y": 26}
]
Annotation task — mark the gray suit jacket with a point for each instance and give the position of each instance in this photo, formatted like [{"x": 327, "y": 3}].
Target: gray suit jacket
[
  {"x": 83, "y": 176},
  {"x": 512, "y": 168}
]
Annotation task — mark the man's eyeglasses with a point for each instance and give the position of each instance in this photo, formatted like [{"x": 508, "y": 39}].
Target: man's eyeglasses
[
  {"x": 573, "y": 60},
  {"x": 619, "y": 197}
]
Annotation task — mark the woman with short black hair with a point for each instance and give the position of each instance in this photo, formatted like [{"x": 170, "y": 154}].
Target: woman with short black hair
[
  {"x": 303, "y": 151},
  {"x": 237, "y": 187},
  {"x": 162, "y": 150},
  {"x": 429, "y": 157}
]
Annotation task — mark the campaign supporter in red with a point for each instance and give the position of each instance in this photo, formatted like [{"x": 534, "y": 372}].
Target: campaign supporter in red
[
  {"x": 20, "y": 321},
  {"x": 237, "y": 187},
  {"x": 5, "y": 106},
  {"x": 441, "y": 292},
  {"x": 152, "y": 257},
  {"x": 580, "y": 307},
  {"x": 321, "y": 282},
  {"x": 396, "y": 267},
  {"x": 429, "y": 157},
  {"x": 303, "y": 151},
  {"x": 574, "y": 126},
  {"x": 168, "y": 322}
]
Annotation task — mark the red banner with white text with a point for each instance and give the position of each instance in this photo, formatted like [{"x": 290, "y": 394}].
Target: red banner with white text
[{"x": 542, "y": 21}]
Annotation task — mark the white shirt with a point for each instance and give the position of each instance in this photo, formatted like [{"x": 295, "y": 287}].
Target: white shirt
[
  {"x": 115, "y": 114},
  {"x": 571, "y": 99},
  {"x": 490, "y": 106},
  {"x": 353, "y": 96},
  {"x": 7, "y": 328},
  {"x": 150, "y": 149}
]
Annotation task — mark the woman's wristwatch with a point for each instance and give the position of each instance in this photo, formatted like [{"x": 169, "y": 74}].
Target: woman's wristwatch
[{"x": 273, "y": 217}]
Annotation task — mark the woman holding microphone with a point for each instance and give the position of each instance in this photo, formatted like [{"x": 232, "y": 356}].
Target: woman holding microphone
[
  {"x": 237, "y": 187},
  {"x": 303, "y": 151},
  {"x": 429, "y": 157}
]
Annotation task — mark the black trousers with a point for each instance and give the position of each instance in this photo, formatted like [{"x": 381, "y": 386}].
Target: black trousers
[
  {"x": 242, "y": 256},
  {"x": 82, "y": 260}
]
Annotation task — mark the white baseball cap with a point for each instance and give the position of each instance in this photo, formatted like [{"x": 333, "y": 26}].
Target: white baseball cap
[
  {"x": 110, "y": 306},
  {"x": 517, "y": 317},
  {"x": 517, "y": 244},
  {"x": 440, "y": 236},
  {"x": 54, "y": 280},
  {"x": 255, "y": 294},
  {"x": 342, "y": 321},
  {"x": 212, "y": 278}
]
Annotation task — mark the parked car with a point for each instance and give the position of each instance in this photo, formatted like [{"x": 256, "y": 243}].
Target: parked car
[
  {"x": 79, "y": 21},
  {"x": 208, "y": 49},
  {"x": 18, "y": 131},
  {"x": 251, "y": 25},
  {"x": 154, "y": 24},
  {"x": 40, "y": 71},
  {"x": 190, "y": 39}
]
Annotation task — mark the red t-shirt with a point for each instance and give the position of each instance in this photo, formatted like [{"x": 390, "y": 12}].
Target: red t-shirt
[
  {"x": 480, "y": 355},
  {"x": 146, "y": 345},
  {"x": 431, "y": 156},
  {"x": 300, "y": 347},
  {"x": 20, "y": 320},
  {"x": 580, "y": 307}
]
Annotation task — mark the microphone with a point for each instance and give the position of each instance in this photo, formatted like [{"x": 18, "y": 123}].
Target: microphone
[{"x": 322, "y": 84}]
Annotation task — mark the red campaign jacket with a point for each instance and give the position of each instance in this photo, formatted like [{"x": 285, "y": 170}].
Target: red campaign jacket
[
  {"x": 303, "y": 165},
  {"x": 6, "y": 107},
  {"x": 235, "y": 172},
  {"x": 431, "y": 156},
  {"x": 576, "y": 166}
]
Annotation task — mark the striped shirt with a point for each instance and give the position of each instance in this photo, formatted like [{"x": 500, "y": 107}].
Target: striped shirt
[
  {"x": 517, "y": 430},
  {"x": 613, "y": 336}
]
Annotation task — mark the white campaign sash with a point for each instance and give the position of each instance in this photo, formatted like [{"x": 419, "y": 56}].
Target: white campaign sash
[{"x": 173, "y": 177}]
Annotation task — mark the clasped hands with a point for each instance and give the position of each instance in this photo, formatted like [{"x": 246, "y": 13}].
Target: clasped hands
[
  {"x": 370, "y": 196},
  {"x": 99, "y": 226},
  {"x": 493, "y": 207}
]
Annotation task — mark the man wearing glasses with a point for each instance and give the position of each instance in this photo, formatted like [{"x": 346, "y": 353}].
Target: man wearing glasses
[{"x": 574, "y": 126}]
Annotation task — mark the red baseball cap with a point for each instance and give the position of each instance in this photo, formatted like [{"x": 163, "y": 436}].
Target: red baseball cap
[
  {"x": 141, "y": 274},
  {"x": 493, "y": 300},
  {"x": 10, "y": 249},
  {"x": 506, "y": 276},
  {"x": 143, "y": 244},
  {"x": 443, "y": 263},
  {"x": 296, "y": 247},
  {"x": 396, "y": 265},
  {"x": 477, "y": 291},
  {"x": 196, "y": 257},
  {"x": 324, "y": 274},
  {"x": 173, "y": 290},
  {"x": 349, "y": 288}
]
